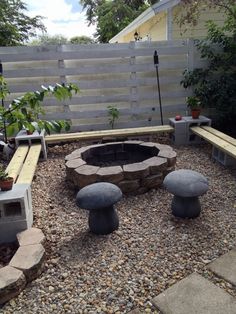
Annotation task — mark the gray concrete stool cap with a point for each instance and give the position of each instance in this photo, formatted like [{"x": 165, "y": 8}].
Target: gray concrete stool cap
[
  {"x": 186, "y": 185},
  {"x": 99, "y": 199},
  {"x": 98, "y": 195}
]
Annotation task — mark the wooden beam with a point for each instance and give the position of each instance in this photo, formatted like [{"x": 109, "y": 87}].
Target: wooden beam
[
  {"x": 14, "y": 167},
  {"x": 221, "y": 135},
  {"x": 100, "y": 134},
  {"x": 215, "y": 140},
  {"x": 30, "y": 164}
]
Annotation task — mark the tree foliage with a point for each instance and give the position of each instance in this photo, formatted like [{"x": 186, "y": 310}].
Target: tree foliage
[
  {"x": 81, "y": 40},
  {"x": 112, "y": 16},
  {"x": 216, "y": 85},
  {"x": 46, "y": 40},
  {"x": 15, "y": 26}
]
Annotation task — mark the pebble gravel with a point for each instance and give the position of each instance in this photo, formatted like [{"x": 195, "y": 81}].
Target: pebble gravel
[{"x": 151, "y": 250}]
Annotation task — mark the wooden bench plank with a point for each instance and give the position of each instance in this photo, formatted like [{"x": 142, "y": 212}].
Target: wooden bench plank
[
  {"x": 100, "y": 134},
  {"x": 221, "y": 135},
  {"x": 215, "y": 140},
  {"x": 27, "y": 172},
  {"x": 14, "y": 167}
]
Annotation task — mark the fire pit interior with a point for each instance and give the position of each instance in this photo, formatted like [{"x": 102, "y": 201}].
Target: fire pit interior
[
  {"x": 134, "y": 166},
  {"x": 119, "y": 154}
]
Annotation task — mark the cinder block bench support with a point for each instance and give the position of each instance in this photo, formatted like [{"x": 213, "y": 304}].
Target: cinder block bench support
[
  {"x": 16, "y": 213},
  {"x": 224, "y": 146}
]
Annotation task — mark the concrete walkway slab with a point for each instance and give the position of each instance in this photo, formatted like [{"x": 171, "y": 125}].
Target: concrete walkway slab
[
  {"x": 225, "y": 267},
  {"x": 195, "y": 295}
]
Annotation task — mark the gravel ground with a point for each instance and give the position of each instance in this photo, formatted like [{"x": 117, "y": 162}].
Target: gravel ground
[{"x": 151, "y": 250}]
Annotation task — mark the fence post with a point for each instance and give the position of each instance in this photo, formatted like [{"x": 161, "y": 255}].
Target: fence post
[
  {"x": 63, "y": 79},
  {"x": 190, "y": 61},
  {"x": 190, "y": 54},
  {"x": 133, "y": 78}
]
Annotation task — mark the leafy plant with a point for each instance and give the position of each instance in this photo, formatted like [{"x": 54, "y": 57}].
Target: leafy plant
[
  {"x": 26, "y": 112},
  {"x": 193, "y": 102},
  {"x": 3, "y": 174},
  {"x": 113, "y": 114},
  {"x": 215, "y": 86}
]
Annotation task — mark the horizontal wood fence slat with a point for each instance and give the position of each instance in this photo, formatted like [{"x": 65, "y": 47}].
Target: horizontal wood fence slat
[
  {"x": 121, "y": 75},
  {"x": 88, "y": 69}
]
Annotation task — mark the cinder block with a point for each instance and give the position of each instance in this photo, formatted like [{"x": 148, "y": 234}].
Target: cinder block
[
  {"x": 15, "y": 204},
  {"x": 192, "y": 138},
  {"x": 222, "y": 157},
  {"x": 23, "y": 138},
  {"x": 179, "y": 126},
  {"x": 182, "y": 134},
  {"x": 16, "y": 212},
  {"x": 201, "y": 121},
  {"x": 178, "y": 139},
  {"x": 9, "y": 230}
]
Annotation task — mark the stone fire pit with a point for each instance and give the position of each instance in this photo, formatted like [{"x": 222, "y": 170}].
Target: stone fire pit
[{"x": 134, "y": 166}]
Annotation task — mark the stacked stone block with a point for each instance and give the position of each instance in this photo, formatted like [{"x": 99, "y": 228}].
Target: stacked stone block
[{"x": 26, "y": 264}]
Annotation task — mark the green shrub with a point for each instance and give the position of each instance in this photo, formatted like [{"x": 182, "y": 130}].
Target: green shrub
[{"x": 215, "y": 85}]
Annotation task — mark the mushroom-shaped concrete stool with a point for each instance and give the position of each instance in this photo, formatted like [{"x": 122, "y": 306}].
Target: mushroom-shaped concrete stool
[
  {"x": 99, "y": 199},
  {"x": 186, "y": 185}
]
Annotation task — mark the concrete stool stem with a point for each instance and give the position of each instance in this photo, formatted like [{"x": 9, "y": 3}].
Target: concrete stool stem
[
  {"x": 103, "y": 221},
  {"x": 185, "y": 206}
]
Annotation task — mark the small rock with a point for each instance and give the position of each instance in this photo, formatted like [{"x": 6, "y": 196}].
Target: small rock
[{"x": 51, "y": 289}]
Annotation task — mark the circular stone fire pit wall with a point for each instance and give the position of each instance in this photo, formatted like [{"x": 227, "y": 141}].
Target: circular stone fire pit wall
[{"x": 134, "y": 166}]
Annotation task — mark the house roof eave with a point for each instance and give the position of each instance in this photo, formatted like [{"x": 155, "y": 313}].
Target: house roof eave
[{"x": 145, "y": 16}]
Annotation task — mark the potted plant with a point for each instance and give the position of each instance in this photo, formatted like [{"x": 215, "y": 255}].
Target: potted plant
[
  {"x": 6, "y": 182},
  {"x": 194, "y": 103}
]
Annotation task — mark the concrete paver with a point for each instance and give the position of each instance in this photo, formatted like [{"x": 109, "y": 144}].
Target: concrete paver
[
  {"x": 195, "y": 295},
  {"x": 225, "y": 266}
]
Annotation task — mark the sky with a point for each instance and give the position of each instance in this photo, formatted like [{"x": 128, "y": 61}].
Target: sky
[{"x": 64, "y": 17}]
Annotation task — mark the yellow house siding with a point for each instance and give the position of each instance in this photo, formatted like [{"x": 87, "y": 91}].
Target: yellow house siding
[
  {"x": 154, "y": 28},
  {"x": 127, "y": 38},
  {"x": 198, "y": 31}
]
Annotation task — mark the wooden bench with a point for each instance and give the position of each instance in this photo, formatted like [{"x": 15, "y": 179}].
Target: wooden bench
[
  {"x": 23, "y": 163},
  {"x": 224, "y": 144},
  {"x": 94, "y": 135}
]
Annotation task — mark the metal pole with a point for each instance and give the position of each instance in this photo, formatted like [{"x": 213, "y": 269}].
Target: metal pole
[
  {"x": 4, "y": 122},
  {"x": 156, "y": 63}
]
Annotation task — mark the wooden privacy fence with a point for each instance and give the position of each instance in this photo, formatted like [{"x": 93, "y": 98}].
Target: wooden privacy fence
[{"x": 121, "y": 75}]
